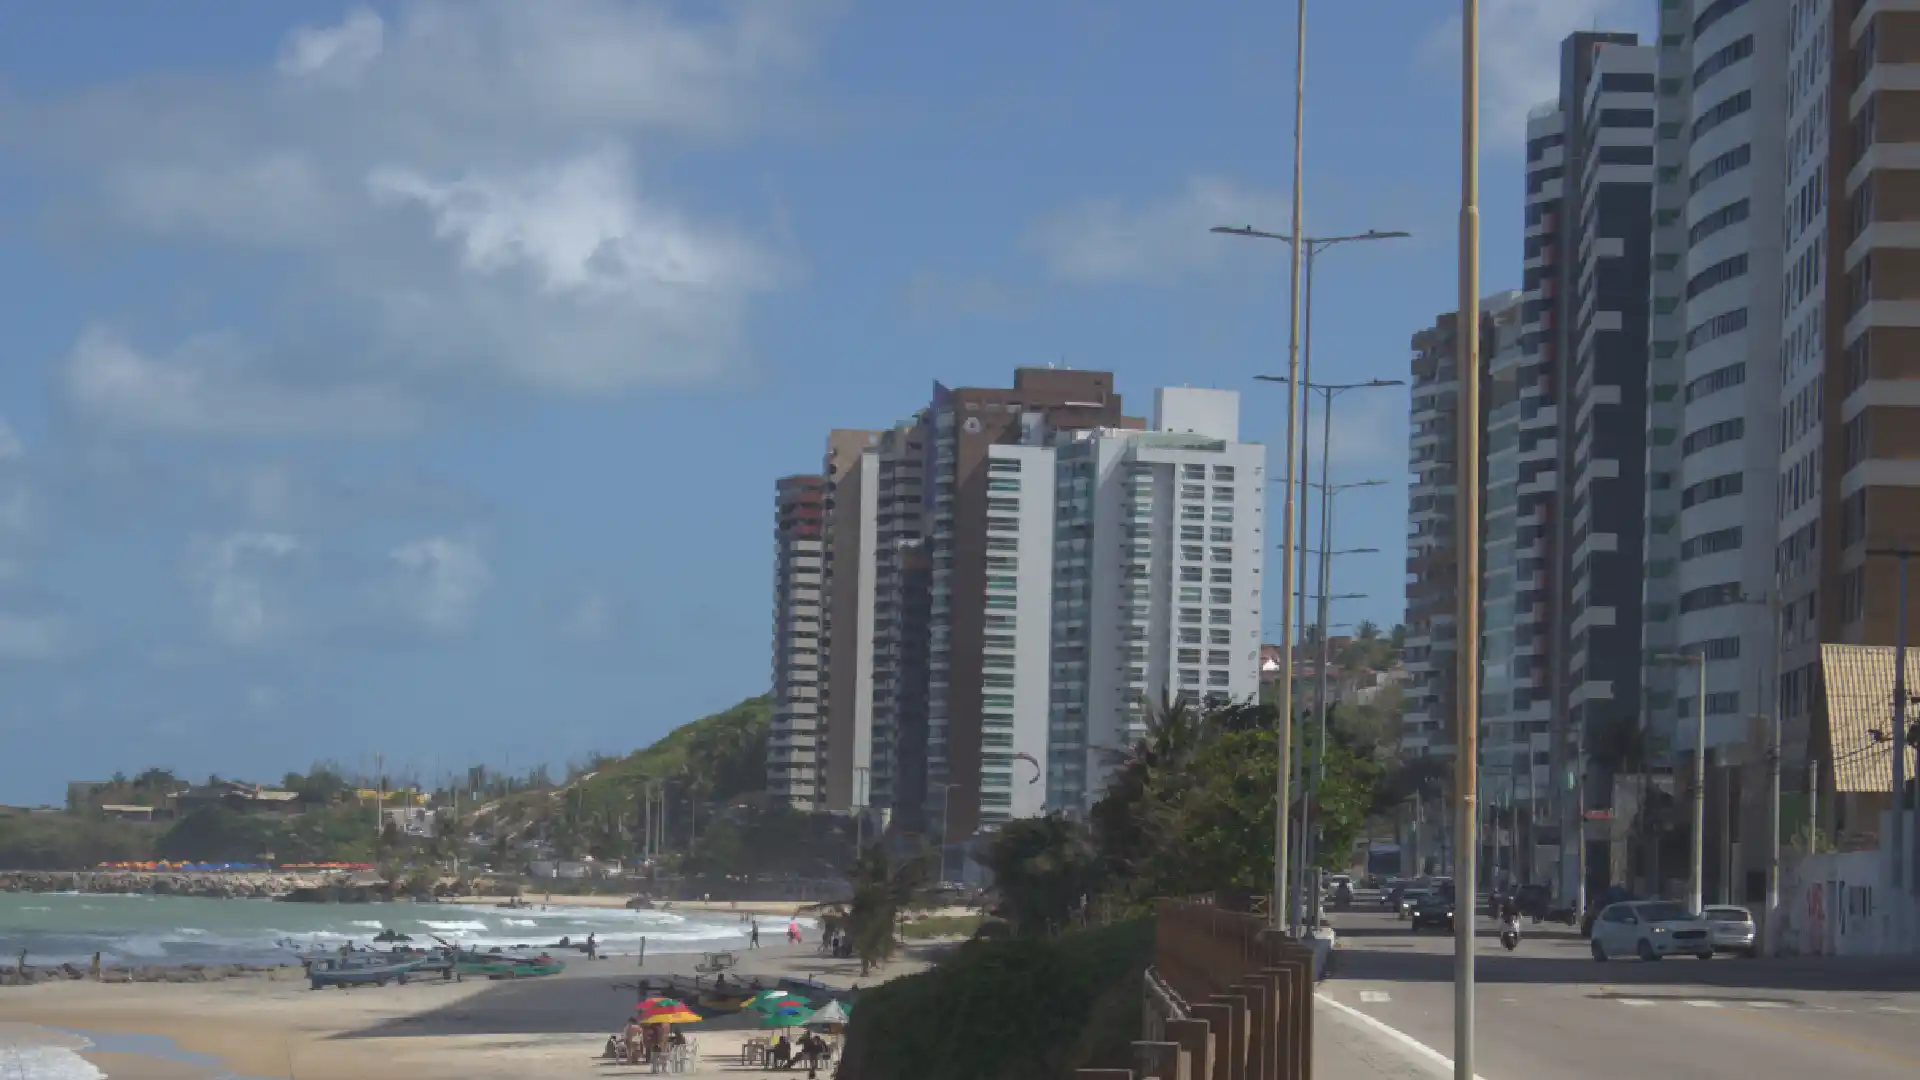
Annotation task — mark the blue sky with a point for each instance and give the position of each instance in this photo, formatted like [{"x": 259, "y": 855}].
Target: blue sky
[{"x": 412, "y": 377}]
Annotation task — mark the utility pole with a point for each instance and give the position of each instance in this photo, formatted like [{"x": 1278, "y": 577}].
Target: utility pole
[
  {"x": 1699, "y": 871},
  {"x": 1467, "y": 513},
  {"x": 1906, "y": 864},
  {"x": 1283, "y": 906}
]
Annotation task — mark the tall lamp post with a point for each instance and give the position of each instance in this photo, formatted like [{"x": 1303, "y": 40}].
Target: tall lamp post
[
  {"x": 1696, "y": 883},
  {"x": 1308, "y": 248},
  {"x": 1467, "y": 513},
  {"x": 1309, "y": 784}
]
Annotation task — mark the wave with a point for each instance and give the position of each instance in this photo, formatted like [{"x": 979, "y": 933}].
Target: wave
[{"x": 47, "y": 1063}]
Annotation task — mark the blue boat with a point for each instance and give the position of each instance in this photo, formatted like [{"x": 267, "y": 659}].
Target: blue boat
[{"x": 352, "y": 971}]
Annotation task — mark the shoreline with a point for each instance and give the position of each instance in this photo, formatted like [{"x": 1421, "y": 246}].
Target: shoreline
[{"x": 472, "y": 1030}]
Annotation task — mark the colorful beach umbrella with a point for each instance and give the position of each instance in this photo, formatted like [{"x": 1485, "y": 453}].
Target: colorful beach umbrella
[
  {"x": 768, "y": 999},
  {"x": 790, "y": 1017},
  {"x": 665, "y": 1011}
]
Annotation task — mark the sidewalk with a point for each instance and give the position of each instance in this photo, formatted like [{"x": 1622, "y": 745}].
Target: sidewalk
[{"x": 1347, "y": 1049}]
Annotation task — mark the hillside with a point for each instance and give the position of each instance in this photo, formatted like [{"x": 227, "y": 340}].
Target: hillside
[{"x": 717, "y": 758}]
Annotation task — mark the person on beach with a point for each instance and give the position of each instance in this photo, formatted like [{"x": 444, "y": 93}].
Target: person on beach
[
  {"x": 592, "y": 949},
  {"x": 753, "y": 935},
  {"x": 793, "y": 931}
]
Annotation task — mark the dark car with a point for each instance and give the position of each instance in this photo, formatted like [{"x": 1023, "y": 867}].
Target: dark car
[
  {"x": 1533, "y": 901},
  {"x": 1435, "y": 910}
]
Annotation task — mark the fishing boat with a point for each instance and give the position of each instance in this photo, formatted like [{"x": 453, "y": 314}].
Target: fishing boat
[
  {"x": 507, "y": 966},
  {"x": 351, "y": 971}
]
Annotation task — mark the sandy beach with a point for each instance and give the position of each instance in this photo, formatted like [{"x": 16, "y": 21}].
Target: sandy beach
[
  {"x": 770, "y": 908},
  {"x": 428, "y": 1030}
]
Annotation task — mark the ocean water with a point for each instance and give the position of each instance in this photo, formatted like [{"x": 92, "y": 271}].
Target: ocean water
[{"x": 57, "y": 928}]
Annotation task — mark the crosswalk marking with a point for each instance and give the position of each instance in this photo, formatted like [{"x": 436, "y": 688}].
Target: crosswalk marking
[{"x": 1374, "y": 997}]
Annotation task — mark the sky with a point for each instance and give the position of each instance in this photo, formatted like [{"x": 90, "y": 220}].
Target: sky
[{"x": 411, "y": 378}]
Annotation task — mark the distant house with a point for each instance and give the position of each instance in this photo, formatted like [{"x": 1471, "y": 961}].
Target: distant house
[
  {"x": 129, "y": 812},
  {"x": 239, "y": 797}
]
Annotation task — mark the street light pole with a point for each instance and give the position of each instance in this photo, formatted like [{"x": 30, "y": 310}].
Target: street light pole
[
  {"x": 1293, "y": 526},
  {"x": 1467, "y": 484},
  {"x": 1906, "y": 864}
]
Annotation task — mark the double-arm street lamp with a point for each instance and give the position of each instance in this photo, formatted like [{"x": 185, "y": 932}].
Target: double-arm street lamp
[{"x": 1307, "y": 249}]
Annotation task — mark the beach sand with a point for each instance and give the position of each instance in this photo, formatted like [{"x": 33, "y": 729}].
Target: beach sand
[
  {"x": 427, "y": 1030},
  {"x": 764, "y": 908}
]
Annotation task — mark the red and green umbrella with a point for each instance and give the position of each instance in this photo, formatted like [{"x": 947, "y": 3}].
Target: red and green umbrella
[{"x": 786, "y": 1016}]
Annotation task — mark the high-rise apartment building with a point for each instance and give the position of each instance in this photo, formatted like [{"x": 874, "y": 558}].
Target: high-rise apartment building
[
  {"x": 1431, "y": 650},
  {"x": 799, "y": 636},
  {"x": 1157, "y": 561},
  {"x": 990, "y": 545},
  {"x": 1716, "y": 379},
  {"x": 893, "y": 506},
  {"x": 846, "y": 736}
]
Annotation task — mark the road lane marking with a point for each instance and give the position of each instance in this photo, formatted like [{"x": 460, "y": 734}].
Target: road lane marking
[
  {"x": 1432, "y": 1056},
  {"x": 1767, "y": 1004},
  {"x": 1374, "y": 997},
  {"x": 1893, "y": 1009},
  {"x": 1633, "y": 1001},
  {"x": 1704, "y": 1004}
]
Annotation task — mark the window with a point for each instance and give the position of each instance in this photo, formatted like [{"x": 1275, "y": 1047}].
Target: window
[
  {"x": 1711, "y": 543},
  {"x": 1189, "y": 573},
  {"x": 1626, "y": 155},
  {"x": 1190, "y": 594},
  {"x": 1189, "y": 635},
  {"x": 1194, "y": 533},
  {"x": 1730, "y": 162},
  {"x": 1002, "y": 543},
  {"x": 999, "y": 641},
  {"x": 1718, "y": 274},
  {"x": 1003, "y": 465},
  {"x": 1189, "y": 615},
  {"x": 1722, "y": 112},
  {"x": 1191, "y": 553},
  {"x": 1223, "y": 554},
  {"x": 1221, "y": 535},
  {"x": 1624, "y": 82},
  {"x": 1715, "y": 11},
  {"x": 1193, "y": 491},
  {"x": 1717, "y": 327},
  {"x": 1193, "y": 512},
  {"x": 1221, "y": 575},
  {"x": 1219, "y": 658},
  {"x": 1189, "y": 677},
  {"x": 1223, "y": 494},
  {"x": 1626, "y": 118},
  {"x": 1193, "y": 472},
  {"x": 1711, "y": 596},
  {"x": 1219, "y": 595},
  {"x": 1717, "y": 380},
  {"x": 1002, "y": 506},
  {"x": 1223, "y": 474},
  {"x": 1003, "y": 602},
  {"x": 1731, "y": 214},
  {"x": 1218, "y": 616},
  {"x": 1222, "y": 513},
  {"x": 1727, "y": 56},
  {"x": 1713, "y": 435},
  {"x": 1217, "y": 636},
  {"x": 1002, "y": 581},
  {"x": 1003, "y": 485},
  {"x": 1003, "y": 524}
]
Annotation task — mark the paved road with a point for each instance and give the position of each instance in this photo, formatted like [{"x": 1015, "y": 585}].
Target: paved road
[{"x": 1549, "y": 1012}]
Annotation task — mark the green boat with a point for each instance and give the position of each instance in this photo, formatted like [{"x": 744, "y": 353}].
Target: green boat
[{"x": 501, "y": 966}]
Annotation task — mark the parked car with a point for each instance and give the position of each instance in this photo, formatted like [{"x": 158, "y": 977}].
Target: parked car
[
  {"x": 1731, "y": 930},
  {"x": 1651, "y": 930}
]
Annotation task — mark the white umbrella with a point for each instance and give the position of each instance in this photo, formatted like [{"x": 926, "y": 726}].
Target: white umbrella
[{"x": 831, "y": 1013}]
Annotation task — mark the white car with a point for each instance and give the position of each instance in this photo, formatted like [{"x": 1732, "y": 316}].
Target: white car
[{"x": 1650, "y": 930}]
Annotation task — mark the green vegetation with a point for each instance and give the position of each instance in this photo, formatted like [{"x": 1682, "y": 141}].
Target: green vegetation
[
  {"x": 70, "y": 841},
  {"x": 882, "y": 893},
  {"x": 1012, "y": 1010},
  {"x": 942, "y": 926}
]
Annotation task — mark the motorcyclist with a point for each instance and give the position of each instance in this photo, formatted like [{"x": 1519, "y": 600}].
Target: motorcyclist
[{"x": 1509, "y": 910}]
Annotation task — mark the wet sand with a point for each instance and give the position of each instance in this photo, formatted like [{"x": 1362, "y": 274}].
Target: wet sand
[{"x": 427, "y": 1030}]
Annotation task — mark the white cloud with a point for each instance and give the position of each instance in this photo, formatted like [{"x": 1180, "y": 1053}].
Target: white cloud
[
  {"x": 437, "y": 582},
  {"x": 1113, "y": 239},
  {"x": 240, "y": 590},
  {"x": 1520, "y": 53},
  {"x": 334, "y": 54},
  {"x": 11, "y": 448},
  {"x": 213, "y": 386},
  {"x": 31, "y": 638},
  {"x": 451, "y": 198}
]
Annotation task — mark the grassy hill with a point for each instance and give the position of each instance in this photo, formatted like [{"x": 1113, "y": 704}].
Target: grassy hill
[{"x": 716, "y": 758}]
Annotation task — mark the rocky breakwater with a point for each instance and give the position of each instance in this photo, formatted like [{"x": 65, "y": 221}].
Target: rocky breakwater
[
  {"x": 215, "y": 886},
  {"x": 31, "y": 975}
]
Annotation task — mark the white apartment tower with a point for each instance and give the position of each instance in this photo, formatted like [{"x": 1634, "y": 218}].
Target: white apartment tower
[
  {"x": 799, "y": 640},
  {"x": 1157, "y": 562},
  {"x": 1730, "y": 113}
]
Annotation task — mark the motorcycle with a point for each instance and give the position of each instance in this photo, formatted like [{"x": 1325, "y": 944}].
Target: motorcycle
[{"x": 1510, "y": 934}]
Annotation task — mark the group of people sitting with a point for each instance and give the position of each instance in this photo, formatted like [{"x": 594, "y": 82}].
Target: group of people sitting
[
  {"x": 641, "y": 1043},
  {"x": 785, "y": 1053}
]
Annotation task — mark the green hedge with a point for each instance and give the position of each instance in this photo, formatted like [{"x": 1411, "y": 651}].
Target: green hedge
[{"x": 1007, "y": 1010}]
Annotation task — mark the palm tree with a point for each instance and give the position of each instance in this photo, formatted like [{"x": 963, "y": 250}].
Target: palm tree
[{"x": 881, "y": 893}]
